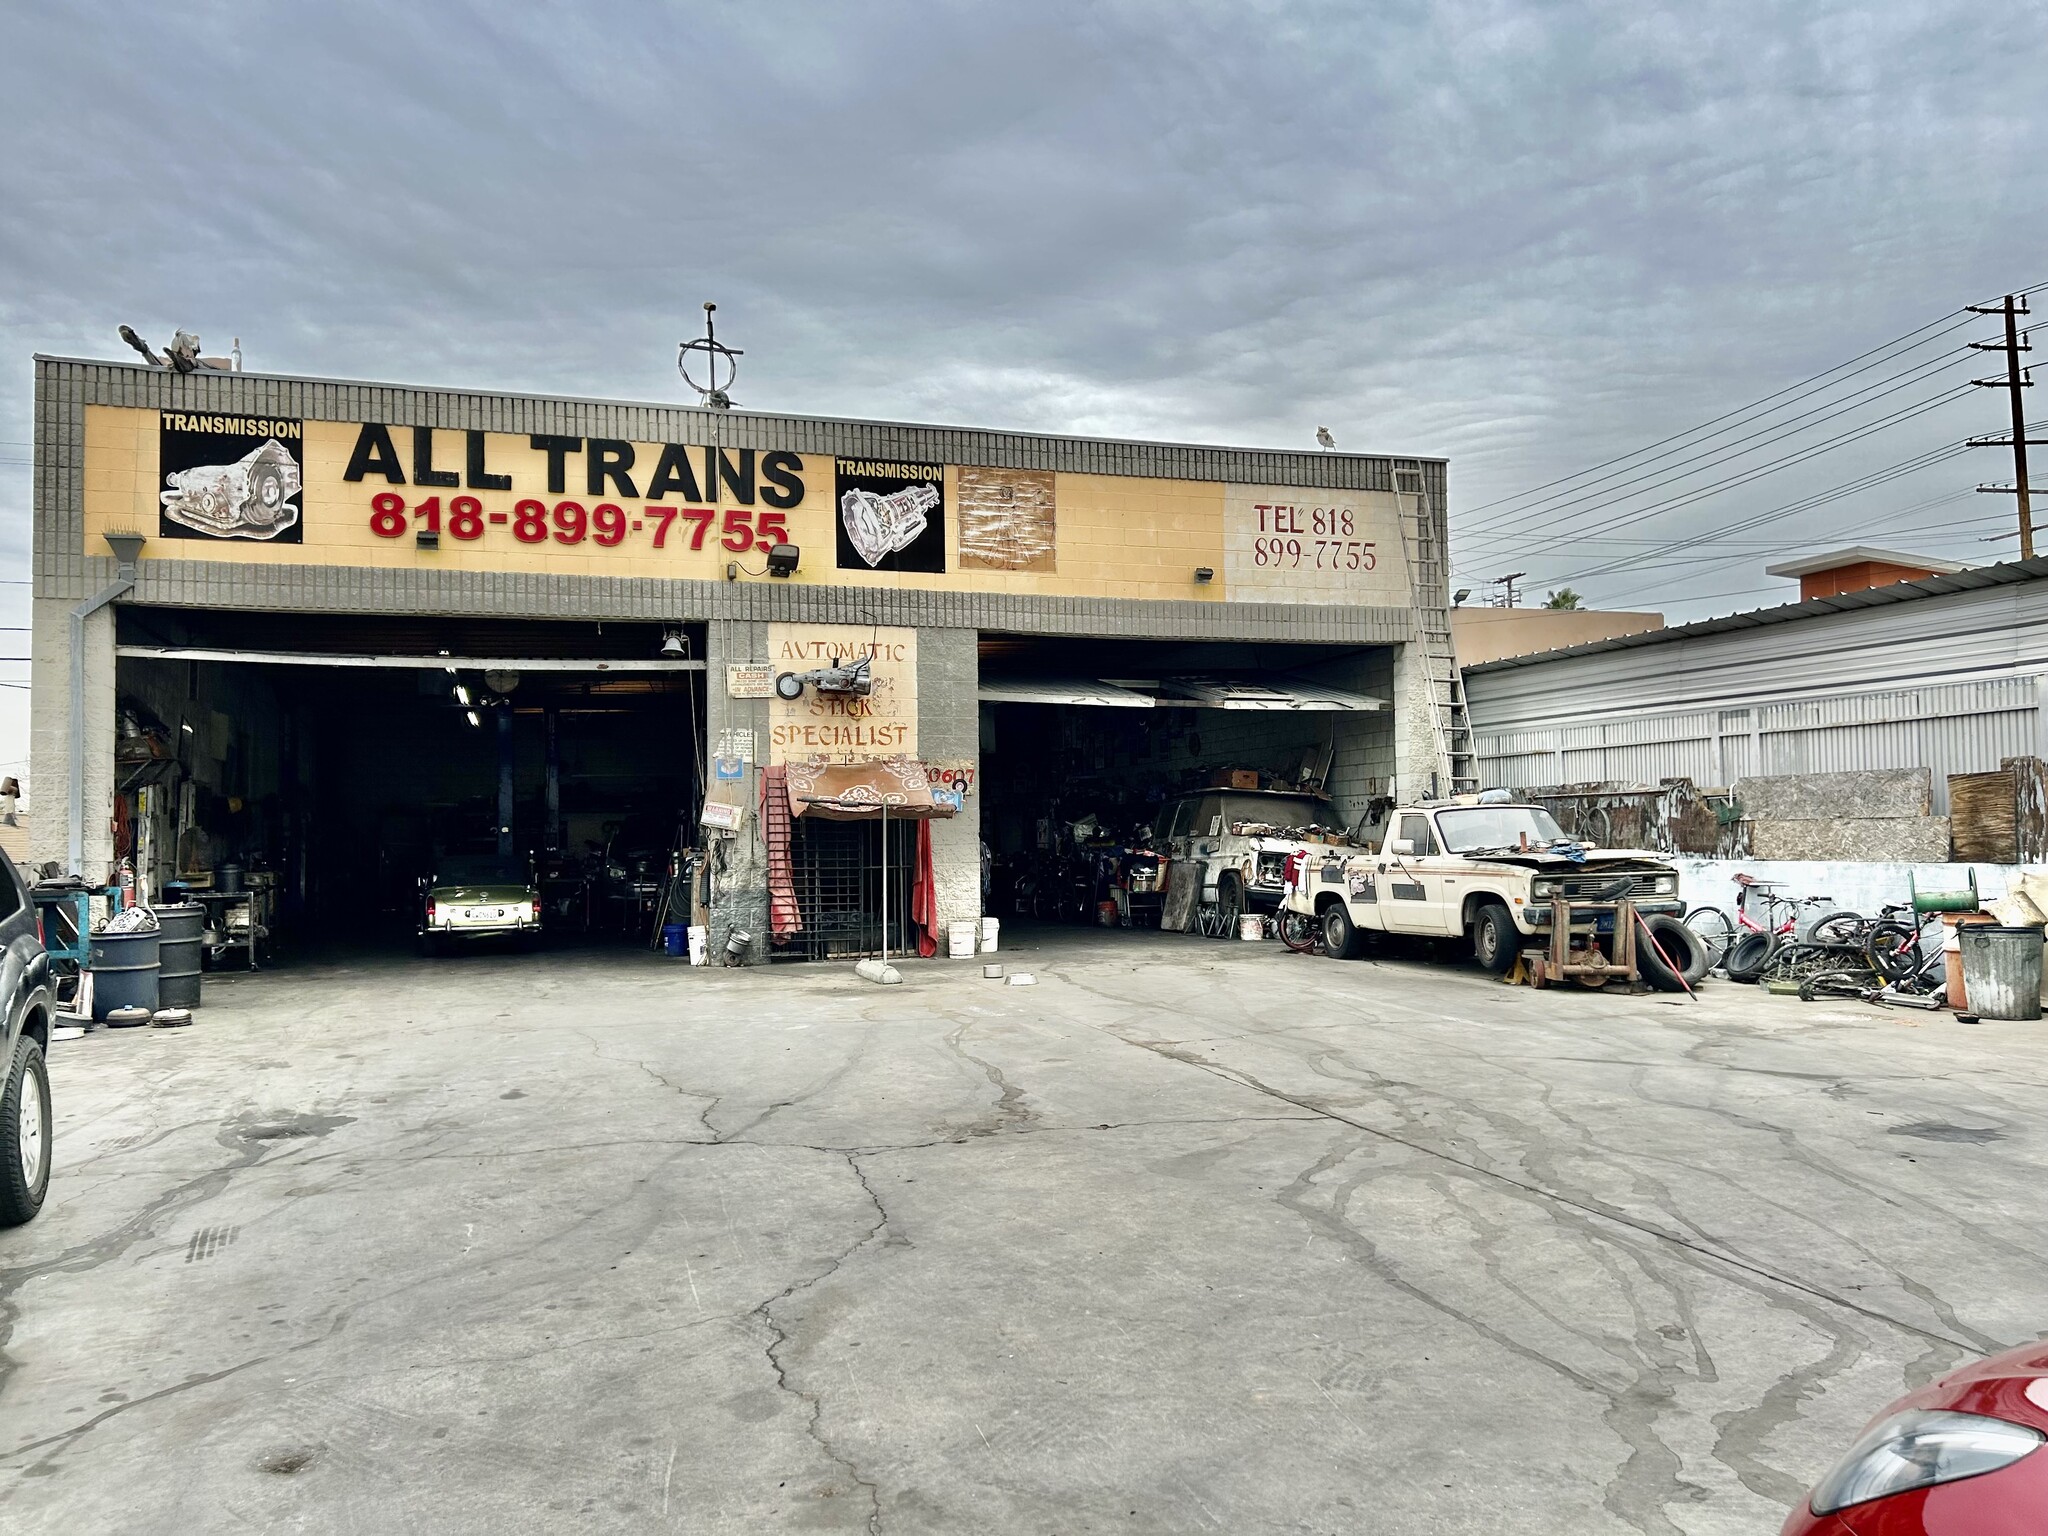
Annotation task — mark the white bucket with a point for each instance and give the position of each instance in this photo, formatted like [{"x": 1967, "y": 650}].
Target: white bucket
[
  {"x": 699, "y": 937},
  {"x": 1251, "y": 926},
  {"x": 989, "y": 928},
  {"x": 962, "y": 939}
]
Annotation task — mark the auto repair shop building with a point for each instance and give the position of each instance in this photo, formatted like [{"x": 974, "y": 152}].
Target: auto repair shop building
[{"x": 362, "y": 622}]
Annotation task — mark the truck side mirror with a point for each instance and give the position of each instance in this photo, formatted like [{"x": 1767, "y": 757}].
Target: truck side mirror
[{"x": 1401, "y": 847}]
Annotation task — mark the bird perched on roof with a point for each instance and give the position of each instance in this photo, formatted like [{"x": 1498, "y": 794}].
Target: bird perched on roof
[{"x": 1323, "y": 437}]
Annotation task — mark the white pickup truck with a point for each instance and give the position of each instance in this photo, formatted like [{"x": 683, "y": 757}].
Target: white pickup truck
[{"x": 1462, "y": 868}]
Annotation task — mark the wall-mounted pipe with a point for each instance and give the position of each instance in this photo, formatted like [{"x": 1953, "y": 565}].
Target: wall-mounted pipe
[{"x": 126, "y": 547}]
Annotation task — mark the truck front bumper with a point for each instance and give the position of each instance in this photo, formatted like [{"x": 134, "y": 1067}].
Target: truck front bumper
[{"x": 1536, "y": 919}]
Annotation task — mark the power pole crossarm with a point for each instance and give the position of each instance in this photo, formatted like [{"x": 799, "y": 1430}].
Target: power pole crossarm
[{"x": 2014, "y": 381}]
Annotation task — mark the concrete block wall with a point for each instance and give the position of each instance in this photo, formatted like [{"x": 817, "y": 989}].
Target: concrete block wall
[
  {"x": 949, "y": 730},
  {"x": 739, "y": 861}
]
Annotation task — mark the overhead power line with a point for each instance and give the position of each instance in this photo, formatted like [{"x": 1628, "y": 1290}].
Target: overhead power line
[
  {"x": 1727, "y": 453},
  {"x": 1876, "y": 356}
]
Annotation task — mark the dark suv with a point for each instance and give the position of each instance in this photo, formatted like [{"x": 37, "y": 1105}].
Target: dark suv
[{"x": 25, "y": 1010}]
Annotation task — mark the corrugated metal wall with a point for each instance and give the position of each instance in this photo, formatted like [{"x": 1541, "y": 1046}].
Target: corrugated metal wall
[{"x": 1952, "y": 684}]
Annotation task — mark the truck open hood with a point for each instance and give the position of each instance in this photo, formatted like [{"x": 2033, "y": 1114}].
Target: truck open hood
[{"x": 1619, "y": 861}]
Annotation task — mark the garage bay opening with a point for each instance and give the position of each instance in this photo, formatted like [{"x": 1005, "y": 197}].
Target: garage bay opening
[
  {"x": 1150, "y": 784},
  {"x": 457, "y": 785}
]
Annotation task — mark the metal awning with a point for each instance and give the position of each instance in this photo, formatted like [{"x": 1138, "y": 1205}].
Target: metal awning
[
  {"x": 1065, "y": 690},
  {"x": 1284, "y": 693},
  {"x": 863, "y": 790}
]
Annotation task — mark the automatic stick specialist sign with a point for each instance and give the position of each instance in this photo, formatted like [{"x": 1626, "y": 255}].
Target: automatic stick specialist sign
[{"x": 843, "y": 728}]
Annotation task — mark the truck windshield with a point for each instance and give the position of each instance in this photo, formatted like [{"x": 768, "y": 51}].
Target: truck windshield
[
  {"x": 1483, "y": 828},
  {"x": 1277, "y": 811}
]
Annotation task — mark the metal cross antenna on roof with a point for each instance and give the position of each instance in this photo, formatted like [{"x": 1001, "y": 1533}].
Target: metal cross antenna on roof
[{"x": 711, "y": 392}]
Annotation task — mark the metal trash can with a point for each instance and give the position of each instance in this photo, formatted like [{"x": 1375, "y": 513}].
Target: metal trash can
[
  {"x": 124, "y": 970},
  {"x": 2002, "y": 970},
  {"x": 180, "y": 929}
]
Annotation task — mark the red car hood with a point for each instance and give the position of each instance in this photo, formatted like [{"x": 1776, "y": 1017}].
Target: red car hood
[{"x": 2010, "y": 1502}]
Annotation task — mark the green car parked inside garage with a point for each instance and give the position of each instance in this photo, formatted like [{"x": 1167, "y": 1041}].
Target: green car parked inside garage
[{"x": 473, "y": 896}]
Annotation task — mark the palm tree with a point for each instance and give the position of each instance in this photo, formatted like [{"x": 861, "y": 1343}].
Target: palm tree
[{"x": 1563, "y": 597}]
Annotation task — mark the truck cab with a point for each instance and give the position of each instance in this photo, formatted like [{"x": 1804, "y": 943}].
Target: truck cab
[{"x": 1485, "y": 870}]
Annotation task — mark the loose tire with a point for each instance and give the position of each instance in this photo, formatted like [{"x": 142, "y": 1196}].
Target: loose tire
[
  {"x": 24, "y": 1135},
  {"x": 1747, "y": 957},
  {"x": 1893, "y": 950},
  {"x": 1687, "y": 955},
  {"x": 1340, "y": 934},
  {"x": 1229, "y": 904},
  {"x": 1495, "y": 941}
]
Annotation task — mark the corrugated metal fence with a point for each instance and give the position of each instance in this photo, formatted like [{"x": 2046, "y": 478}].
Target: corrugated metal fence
[{"x": 1948, "y": 728}]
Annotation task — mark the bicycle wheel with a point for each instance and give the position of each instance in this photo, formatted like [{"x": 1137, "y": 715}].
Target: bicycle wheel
[
  {"x": 1711, "y": 926},
  {"x": 1300, "y": 932},
  {"x": 1893, "y": 950},
  {"x": 1847, "y": 928}
]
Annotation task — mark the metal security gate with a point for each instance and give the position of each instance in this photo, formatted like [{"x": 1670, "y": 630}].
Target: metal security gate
[{"x": 836, "y": 867}]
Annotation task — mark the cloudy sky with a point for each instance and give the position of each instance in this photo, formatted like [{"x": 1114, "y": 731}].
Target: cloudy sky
[{"x": 1526, "y": 237}]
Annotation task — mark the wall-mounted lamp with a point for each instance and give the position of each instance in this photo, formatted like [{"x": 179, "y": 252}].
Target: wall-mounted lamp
[
  {"x": 1204, "y": 575},
  {"x": 427, "y": 538},
  {"x": 1460, "y": 595},
  {"x": 782, "y": 560}
]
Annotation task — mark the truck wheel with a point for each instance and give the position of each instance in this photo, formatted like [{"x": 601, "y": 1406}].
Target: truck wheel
[
  {"x": 1495, "y": 941},
  {"x": 1688, "y": 956},
  {"x": 1229, "y": 904},
  {"x": 24, "y": 1134},
  {"x": 1340, "y": 934}
]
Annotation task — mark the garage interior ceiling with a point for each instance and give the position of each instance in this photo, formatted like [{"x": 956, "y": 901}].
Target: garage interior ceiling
[{"x": 1018, "y": 669}]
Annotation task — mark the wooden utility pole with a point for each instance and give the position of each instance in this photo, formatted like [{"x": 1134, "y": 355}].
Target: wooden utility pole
[
  {"x": 2015, "y": 380},
  {"x": 1507, "y": 584}
]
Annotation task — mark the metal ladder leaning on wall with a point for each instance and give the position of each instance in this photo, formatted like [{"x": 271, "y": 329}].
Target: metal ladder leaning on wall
[{"x": 1429, "y": 576}]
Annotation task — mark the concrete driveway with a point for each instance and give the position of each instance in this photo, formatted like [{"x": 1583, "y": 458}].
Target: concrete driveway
[{"x": 1190, "y": 1236}]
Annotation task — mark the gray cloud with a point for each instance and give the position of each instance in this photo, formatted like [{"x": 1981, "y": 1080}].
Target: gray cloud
[{"x": 1526, "y": 236}]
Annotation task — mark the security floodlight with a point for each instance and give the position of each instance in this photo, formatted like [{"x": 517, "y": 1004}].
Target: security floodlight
[
  {"x": 1204, "y": 574},
  {"x": 782, "y": 560},
  {"x": 1460, "y": 595}
]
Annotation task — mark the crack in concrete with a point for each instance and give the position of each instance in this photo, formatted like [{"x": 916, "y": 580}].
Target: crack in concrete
[{"x": 779, "y": 1339}]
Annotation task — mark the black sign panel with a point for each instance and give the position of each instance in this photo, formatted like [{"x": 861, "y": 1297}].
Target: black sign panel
[
  {"x": 892, "y": 515},
  {"x": 230, "y": 477}
]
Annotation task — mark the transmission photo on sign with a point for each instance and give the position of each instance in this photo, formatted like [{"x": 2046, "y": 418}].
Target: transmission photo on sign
[
  {"x": 892, "y": 515},
  {"x": 230, "y": 477}
]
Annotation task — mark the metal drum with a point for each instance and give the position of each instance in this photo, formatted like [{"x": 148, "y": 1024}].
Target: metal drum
[
  {"x": 124, "y": 969},
  {"x": 2002, "y": 970},
  {"x": 179, "y": 932}
]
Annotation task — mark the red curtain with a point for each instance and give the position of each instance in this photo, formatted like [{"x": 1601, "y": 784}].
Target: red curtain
[{"x": 924, "y": 896}]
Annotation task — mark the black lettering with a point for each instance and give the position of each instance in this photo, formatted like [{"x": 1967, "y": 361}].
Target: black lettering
[
  {"x": 741, "y": 484},
  {"x": 609, "y": 460},
  {"x": 784, "y": 474},
  {"x": 423, "y": 471},
  {"x": 674, "y": 474},
  {"x": 480, "y": 477},
  {"x": 557, "y": 449},
  {"x": 374, "y": 455}
]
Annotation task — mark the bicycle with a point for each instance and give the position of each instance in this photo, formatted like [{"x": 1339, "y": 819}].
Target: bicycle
[
  {"x": 1743, "y": 946},
  {"x": 1300, "y": 932}
]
